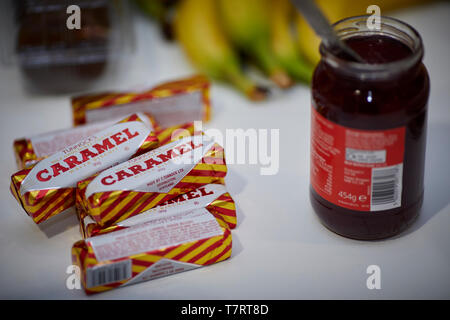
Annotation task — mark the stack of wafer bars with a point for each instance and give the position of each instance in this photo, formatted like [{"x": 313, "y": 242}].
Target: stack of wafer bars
[{"x": 151, "y": 201}]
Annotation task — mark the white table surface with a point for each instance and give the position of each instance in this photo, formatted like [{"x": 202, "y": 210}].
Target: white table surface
[{"x": 280, "y": 249}]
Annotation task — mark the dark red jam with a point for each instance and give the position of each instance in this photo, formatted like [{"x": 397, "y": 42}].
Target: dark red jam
[{"x": 372, "y": 187}]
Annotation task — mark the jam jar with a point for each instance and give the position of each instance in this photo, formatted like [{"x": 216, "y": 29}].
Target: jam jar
[{"x": 368, "y": 130}]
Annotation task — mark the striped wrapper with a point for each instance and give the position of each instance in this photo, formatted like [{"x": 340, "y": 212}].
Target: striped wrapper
[
  {"x": 170, "y": 134},
  {"x": 164, "y": 260},
  {"x": 42, "y": 203},
  {"x": 27, "y": 154},
  {"x": 117, "y": 204},
  {"x": 149, "y": 101},
  {"x": 24, "y": 153},
  {"x": 222, "y": 206}
]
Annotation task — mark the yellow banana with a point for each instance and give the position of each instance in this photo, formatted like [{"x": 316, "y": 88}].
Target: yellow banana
[
  {"x": 247, "y": 25},
  {"x": 283, "y": 41},
  {"x": 336, "y": 10},
  {"x": 199, "y": 32}
]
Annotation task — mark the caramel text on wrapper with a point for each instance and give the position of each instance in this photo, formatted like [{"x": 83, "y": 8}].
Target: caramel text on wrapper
[
  {"x": 150, "y": 163},
  {"x": 85, "y": 155}
]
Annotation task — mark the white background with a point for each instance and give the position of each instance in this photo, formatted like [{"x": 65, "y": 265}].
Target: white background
[{"x": 280, "y": 249}]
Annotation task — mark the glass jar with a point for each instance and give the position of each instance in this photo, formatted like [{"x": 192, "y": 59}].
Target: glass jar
[{"x": 368, "y": 131}]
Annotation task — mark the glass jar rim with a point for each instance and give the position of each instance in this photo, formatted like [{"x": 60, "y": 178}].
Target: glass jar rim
[{"x": 392, "y": 27}]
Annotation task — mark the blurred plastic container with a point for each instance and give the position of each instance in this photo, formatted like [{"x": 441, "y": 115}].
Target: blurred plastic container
[{"x": 54, "y": 58}]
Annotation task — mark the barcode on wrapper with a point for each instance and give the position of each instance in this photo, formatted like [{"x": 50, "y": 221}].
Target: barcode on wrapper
[
  {"x": 108, "y": 273},
  {"x": 386, "y": 188}
]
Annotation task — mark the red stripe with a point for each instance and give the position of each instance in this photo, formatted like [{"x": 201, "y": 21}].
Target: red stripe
[
  {"x": 37, "y": 199},
  {"x": 112, "y": 205},
  {"x": 166, "y": 141},
  {"x": 60, "y": 205},
  {"x": 131, "y": 202},
  {"x": 231, "y": 225},
  {"x": 214, "y": 259},
  {"x": 224, "y": 212},
  {"x": 82, "y": 256},
  {"x": 126, "y": 207},
  {"x": 225, "y": 197},
  {"x": 133, "y": 117},
  {"x": 91, "y": 255},
  {"x": 206, "y": 173},
  {"x": 152, "y": 138},
  {"x": 193, "y": 247},
  {"x": 48, "y": 202},
  {"x": 142, "y": 263},
  {"x": 143, "y": 205},
  {"x": 207, "y": 250},
  {"x": 103, "y": 197},
  {"x": 140, "y": 97}
]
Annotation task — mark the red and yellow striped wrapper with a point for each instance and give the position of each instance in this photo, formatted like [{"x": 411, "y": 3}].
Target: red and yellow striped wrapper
[
  {"x": 170, "y": 134},
  {"x": 30, "y": 150},
  {"x": 213, "y": 197},
  {"x": 49, "y": 186},
  {"x": 152, "y": 179},
  {"x": 153, "y": 249},
  {"x": 170, "y": 103},
  {"x": 24, "y": 153}
]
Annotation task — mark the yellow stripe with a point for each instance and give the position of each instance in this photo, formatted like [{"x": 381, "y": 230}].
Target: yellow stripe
[
  {"x": 178, "y": 250},
  {"x": 215, "y": 252},
  {"x": 14, "y": 192},
  {"x": 200, "y": 179},
  {"x": 146, "y": 257},
  {"x": 175, "y": 191},
  {"x": 96, "y": 104},
  {"x": 215, "y": 167},
  {"x": 196, "y": 251},
  {"x": 164, "y": 134},
  {"x": 225, "y": 205},
  {"x": 124, "y": 99},
  {"x": 225, "y": 256},
  {"x": 228, "y": 218},
  {"x": 117, "y": 208},
  {"x": 160, "y": 93},
  {"x": 138, "y": 269},
  {"x": 90, "y": 261}
]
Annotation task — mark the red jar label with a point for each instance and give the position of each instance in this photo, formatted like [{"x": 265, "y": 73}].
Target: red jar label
[{"x": 356, "y": 169}]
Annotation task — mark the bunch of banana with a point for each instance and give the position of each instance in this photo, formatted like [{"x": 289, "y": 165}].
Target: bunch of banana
[
  {"x": 283, "y": 41},
  {"x": 215, "y": 34},
  {"x": 247, "y": 23},
  {"x": 198, "y": 30}
]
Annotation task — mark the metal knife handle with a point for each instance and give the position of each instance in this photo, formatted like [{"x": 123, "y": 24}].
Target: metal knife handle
[{"x": 317, "y": 20}]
